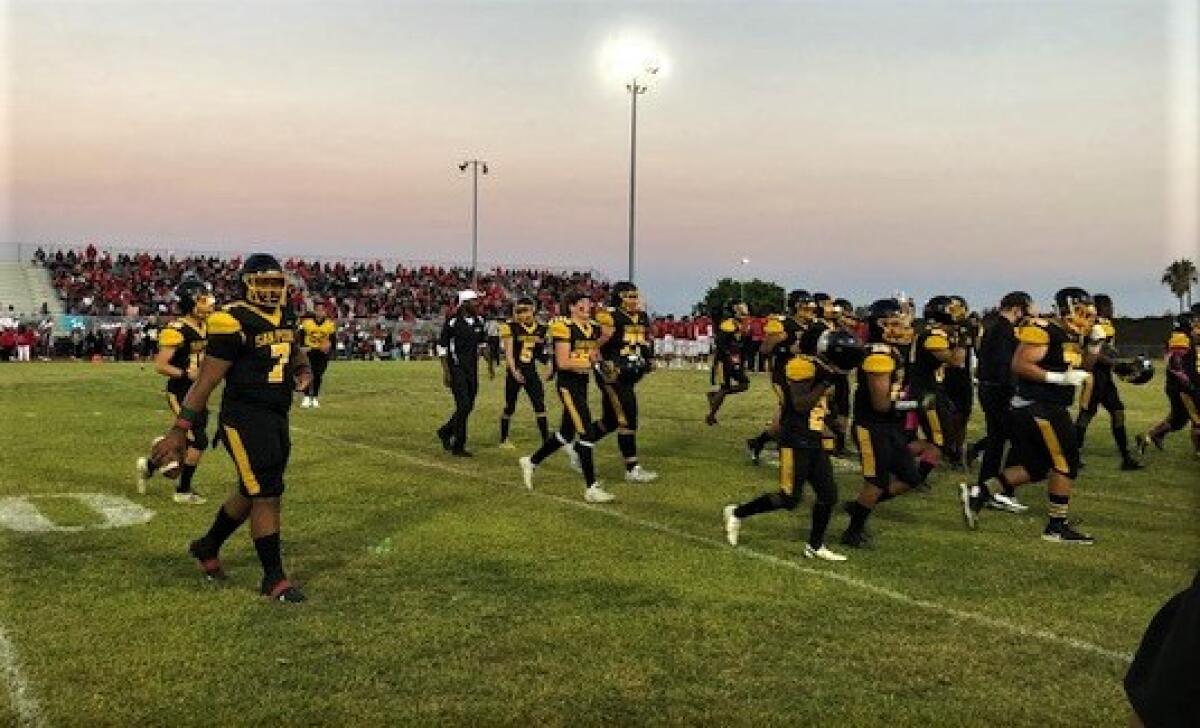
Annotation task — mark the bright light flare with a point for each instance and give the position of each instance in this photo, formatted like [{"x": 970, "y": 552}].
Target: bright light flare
[{"x": 631, "y": 55}]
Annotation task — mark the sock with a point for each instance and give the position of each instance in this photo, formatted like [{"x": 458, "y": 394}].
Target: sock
[
  {"x": 505, "y": 421},
  {"x": 1058, "y": 510},
  {"x": 543, "y": 427},
  {"x": 762, "y": 504},
  {"x": 222, "y": 528},
  {"x": 270, "y": 557},
  {"x": 821, "y": 513},
  {"x": 185, "y": 479},
  {"x": 627, "y": 443},
  {"x": 586, "y": 463},
  {"x": 858, "y": 516},
  {"x": 548, "y": 448},
  {"x": 1122, "y": 439}
]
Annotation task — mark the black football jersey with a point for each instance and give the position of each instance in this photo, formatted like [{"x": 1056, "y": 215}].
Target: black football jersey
[
  {"x": 1063, "y": 352},
  {"x": 188, "y": 339},
  {"x": 583, "y": 340},
  {"x": 880, "y": 359},
  {"x": 260, "y": 346},
  {"x": 926, "y": 371},
  {"x": 528, "y": 341},
  {"x": 803, "y": 429},
  {"x": 631, "y": 333}
]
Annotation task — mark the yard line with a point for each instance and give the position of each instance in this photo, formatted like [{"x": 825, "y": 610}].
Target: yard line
[
  {"x": 20, "y": 696},
  {"x": 861, "y": 584}
]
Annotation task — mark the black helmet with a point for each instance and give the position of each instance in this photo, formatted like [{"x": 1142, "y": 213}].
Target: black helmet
[
  {"x": 840, "y": 349},
  {"x": 631, "y": 368},
  {"x": 623, "y": 295},
  {"x": 263, "y": 280},
  {"x": 1183, "y": 322},
  {"x": 800, "y": 302},
  {"x": 1136, "y": 371},
  {"x": 811, "y": 336},
  {"x": 194, "y": 297},
  {"x": 1075, "y": 308},
  {"x": 888, "y": 323},
  {"x": 939, "y": 309},
  {"x": 1104, "y": 304}
]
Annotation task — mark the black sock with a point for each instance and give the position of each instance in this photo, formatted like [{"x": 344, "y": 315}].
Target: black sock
[
  {"x": 821, "y": 513},
  {"x": 762, "y": 504},
  {"x": 185, "y": 479},
  {"x": 627, "y": 443},
  {"x": 858, "y": 516},
  {"x": 505, "y": 421},
  {"x": 222, "y": 528},
  {"x": 549, "y": 446},
  {"x": 1058, "y": 510},
  {"x": 586, "y": 463},
  {"x": 270, "y": 557},
  {"x": 543, "y": 427},
  {"x": 924, "y": 468},
  {"x": 1122, "y": 439}
]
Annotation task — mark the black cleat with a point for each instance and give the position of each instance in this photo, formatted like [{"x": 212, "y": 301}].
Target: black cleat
[
  {"x": 1066, "y": 534},
  {"x": 856, "y": 539},
  {"x": 207, "y": 558},
  {"x": 447, "y": 440},
  {"x": 283, "y": 591},
  {"x": 462, "y": 453}
]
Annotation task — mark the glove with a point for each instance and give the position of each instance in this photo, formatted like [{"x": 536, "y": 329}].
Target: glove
[
  {"x": 1069, "y": 378},
  {"x": 1097, "y": 335}
]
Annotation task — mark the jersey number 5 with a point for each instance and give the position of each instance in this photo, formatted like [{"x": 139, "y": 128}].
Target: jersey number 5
[{"x": 281, "y": 353}]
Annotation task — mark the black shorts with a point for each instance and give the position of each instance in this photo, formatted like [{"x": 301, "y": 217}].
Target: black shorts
[
  {"x": 577, "y": 416},
  {"x": 1184, "y": 409},
  {"x": 883, "y": 453},
  {"x": 811, "y": 465},
  {"x": 259, "y": 443},
  {"x": 620, "y": 406},
  {"x": 198, "y": 435},
  {"x": 1100, "y": 391},
  {"x": 726, "y": 372},
  {"x": 1161, "y": 682},
  {"x": 1043, "y": 437},
  {"x": 532, "y": 386}
]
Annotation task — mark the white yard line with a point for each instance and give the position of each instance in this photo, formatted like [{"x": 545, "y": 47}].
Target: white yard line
[
  {"x": 931, "y": 606},
  {"x": 20, "y": 696}
]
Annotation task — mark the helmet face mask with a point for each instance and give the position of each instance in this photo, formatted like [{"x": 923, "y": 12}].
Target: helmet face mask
[
  {"x": 631, "y": 301},
  {"x": 266, "y": 289},
  {"x": 1076, "y": 310},
  {"x": 889, "y": 322}
]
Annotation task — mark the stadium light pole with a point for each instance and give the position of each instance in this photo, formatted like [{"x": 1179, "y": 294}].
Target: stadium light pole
[
  {"x": 477, "y": 166},
  {"x": 636, "y": 87},
  {"x": 741, "y": 274}
]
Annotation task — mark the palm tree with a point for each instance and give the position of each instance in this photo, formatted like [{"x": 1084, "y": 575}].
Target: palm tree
[{"x": 1180, "y": 276}]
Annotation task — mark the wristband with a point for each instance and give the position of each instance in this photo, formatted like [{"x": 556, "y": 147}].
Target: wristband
[
  {"x": 1056, "y": 377},
  {"x": 182, "y": 424},
  {"x": 906, "y": 405}
]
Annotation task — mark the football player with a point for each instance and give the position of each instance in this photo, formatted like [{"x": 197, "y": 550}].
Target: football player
[
  {"x": 625, "y": 355},
  {"x": 576, "y": 355},
  {"x": 803, "y": 456},
  {"x": 1101, "y": 390},
  {"x": 1051, "y": 360},
  {"x": 933, "y": 352},
  {"x": 523, "y": 339},
  {"x": 1182, "y": 383},
  {"x": 253, "y": 348},
  {"x": 781, "y": 339},
  {"x": 317, "y": 332},
  {"x": 842, "y": 317},
  {"x": 959, "y": 384},
  {"x": 728, "y": 372},
  {"x": 180, "y": 350},
  {"x": 881, "y": 405}
]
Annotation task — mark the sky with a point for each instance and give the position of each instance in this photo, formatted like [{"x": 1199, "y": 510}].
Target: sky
[{"x": 859, "y": 147}]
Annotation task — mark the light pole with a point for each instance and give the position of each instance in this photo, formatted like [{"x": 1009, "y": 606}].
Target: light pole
[
  {"x": 741, "y": 274},
  {"x": 477, "y": 166},
  {"x": 636, "y": 88}
]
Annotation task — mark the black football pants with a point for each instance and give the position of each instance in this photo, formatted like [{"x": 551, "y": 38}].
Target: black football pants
[{"x": 464, "y": 385}]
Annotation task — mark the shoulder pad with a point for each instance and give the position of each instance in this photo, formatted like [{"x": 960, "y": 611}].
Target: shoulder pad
[
  {"x": 1109, "y": 330},
  {"x": 222, "y": 322},
  {"x": 729, "y": 326},
  {"x": 799, "y": 368},
  {"x": 879, "y": 362},
  {"x": 773, "y": 326},
  {"x": 1179, "y": 340},
  {"x": 504, "y": 329},
  {"x": 936, "y": 340},
  {"x": 559, "y": 330},
  {"x": 1034, "y": 331},
  {"x": 171, "y": 335},
  {"x": 604, "y": 317}
]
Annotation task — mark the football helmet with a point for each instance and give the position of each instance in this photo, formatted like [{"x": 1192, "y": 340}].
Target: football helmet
[
  {"x": 1138, "y": 370},
  {"x": 263, "y": 281},
  {"x": 888, "y": 323},
  {"x": 840, "y": 349},
  {"x": 801, "y": 305},
  {"x": 1074, "y": 306},
  {"x": 194, "y": 297},
  {"x": 625, "y": 296}
]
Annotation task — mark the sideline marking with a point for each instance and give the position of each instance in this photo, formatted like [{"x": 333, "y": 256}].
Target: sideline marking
[
  {"x": 20, "y": 513},
  {"x": 29, "y": 713},
  {"x": 958, "y": 614}
]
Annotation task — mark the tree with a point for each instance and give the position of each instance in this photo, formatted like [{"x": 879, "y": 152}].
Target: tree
[
  {"x": 763, "y": 297},
  {"x": 1180, "y": 276}
]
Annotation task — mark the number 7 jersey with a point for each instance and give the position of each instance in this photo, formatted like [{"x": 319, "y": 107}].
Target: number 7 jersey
[{"x": 259, "y": 345}]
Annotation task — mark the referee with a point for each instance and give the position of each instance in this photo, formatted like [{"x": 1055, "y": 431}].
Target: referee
[
  {"x": 458, "y": 347},
  {"x": 996, "y": 389}
]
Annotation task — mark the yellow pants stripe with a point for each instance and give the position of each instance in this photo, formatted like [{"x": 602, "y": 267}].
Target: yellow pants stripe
[
  {"x": 1085, "y": 395},
  {"x": 787, "y": 469},
  {"x": 1189, "y": 404},
  {"x": 935, "y": 427},
  {"x": 611, "y": 392},
  {"x": 865, "y": 452},
  {"x": 241, "y": 460},
  {"x": 1053, "y": 445},
  {"x": 571, "y": 410}
]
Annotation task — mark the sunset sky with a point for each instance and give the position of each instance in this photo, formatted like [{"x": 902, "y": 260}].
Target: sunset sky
[{"x": 852, "y": 146}]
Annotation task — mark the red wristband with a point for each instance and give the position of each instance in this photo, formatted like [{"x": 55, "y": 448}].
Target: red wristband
[{"x": 183, "y": 424}]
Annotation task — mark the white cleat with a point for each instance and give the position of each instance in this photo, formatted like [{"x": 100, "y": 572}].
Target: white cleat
[
  {"x": 1001, "y": 502},
  {"x": 822, "y": 553},
  {"x": 964, "y": 500},
  {"x": 527, "y": 468},
  {"x": 315, "y": 403},
  {"x": 640, "y": 475},
  {"x": 733, "y": 524},
  {"x": 595, "y": 494},
  {"x": 506, "y": 445},
  {"x": 143, "y": 474},
  {"x": 306, "y": 403},
  {"x": 190, "y": 499},
  {"x": 573, "y": 458}
]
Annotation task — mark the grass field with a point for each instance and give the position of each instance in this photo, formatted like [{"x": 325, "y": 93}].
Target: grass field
[{"x": 440, "y": 591}]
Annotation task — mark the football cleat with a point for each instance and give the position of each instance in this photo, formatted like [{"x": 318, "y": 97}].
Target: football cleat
[
  {"x": 733, "y": 524},
  {"x": 142, "y": 468},
  {"x": 306, "y": 403},
  {"x": 527, "y": 468},
  {"x": 595, "y": 494},
  {"x": 1006, "y": 503},
  {"x": 1066, "y": 534},
  {"x": 638, "y": 474},
  {"x": 573, "y": 458},
  {"x": 315, "y": 403},
  {"x": 209, "y": 563},
  {"x": 856, "y": 539},
  {"x": 190, "y": 498},
  {"x": 283, "y": 591},
  {"x": 970, "y": 509},
  {"x": 460, "y": 453},
  {"x": 447, "y": 440},
  {"x": 822, "y": 553}
]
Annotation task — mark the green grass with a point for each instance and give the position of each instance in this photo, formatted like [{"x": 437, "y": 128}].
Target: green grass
[{"x": 442, "y": 592}]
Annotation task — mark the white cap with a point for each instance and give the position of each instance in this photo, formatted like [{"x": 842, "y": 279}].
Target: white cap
[{"x": 464, "y": 296}]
